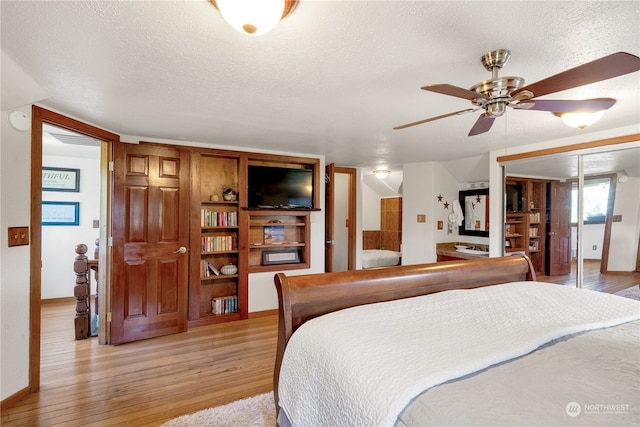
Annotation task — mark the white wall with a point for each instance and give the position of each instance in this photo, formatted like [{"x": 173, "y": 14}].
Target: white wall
[
  {"x": 624, "y": 235},
  {"x": 15, "y": 202},
  {"x": 58, "y": 242},
  {"x": 371, "y": 211},
  {"x": 423, "y": 183},
  {"x": 592, "y": 234},
  {"x": 418, "y": 197}
]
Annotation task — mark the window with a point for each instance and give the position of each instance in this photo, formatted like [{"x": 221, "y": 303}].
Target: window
[{"x": 596, "y": 199}]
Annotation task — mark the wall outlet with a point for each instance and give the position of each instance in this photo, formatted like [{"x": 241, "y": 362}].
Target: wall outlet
[{"x": 422, "y": 218}]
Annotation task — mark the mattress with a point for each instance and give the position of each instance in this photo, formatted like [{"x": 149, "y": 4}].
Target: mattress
[
  {"x": 329, "y": 376},
  {"x": 372, "y": 258},
  {"x": 592, "y": 378}
]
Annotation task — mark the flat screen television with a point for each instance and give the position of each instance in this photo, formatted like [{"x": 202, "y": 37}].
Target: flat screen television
[{"x": 278, "y": 187}]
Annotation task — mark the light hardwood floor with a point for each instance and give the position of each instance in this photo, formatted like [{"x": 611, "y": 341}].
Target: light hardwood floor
[{"x": 149, "y": 382}]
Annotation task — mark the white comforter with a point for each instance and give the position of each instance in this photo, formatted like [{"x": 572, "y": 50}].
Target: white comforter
[
  {"x": 372, "y": 258},
  {"x": 363, "y": 365}
]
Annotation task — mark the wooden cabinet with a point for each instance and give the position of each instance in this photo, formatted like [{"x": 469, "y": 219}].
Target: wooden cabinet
[
  {"x": 217, "y": 289},
  {"x": 525, "y": 230},
  {"x": 277, "y": 240}
]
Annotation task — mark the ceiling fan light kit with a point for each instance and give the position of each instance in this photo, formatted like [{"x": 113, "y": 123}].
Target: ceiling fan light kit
[
  {"x": 254, "y": 17},
  {"x": 580, "y": 120},
  {"x": 498, "y": 93}
]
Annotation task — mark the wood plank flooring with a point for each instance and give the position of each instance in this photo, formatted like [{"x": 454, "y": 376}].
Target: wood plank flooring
[{"x": 149, "y": 382}]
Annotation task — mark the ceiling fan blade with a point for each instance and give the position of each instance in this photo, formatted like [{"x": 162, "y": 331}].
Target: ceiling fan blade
[
  {"x": 457, "y": 113},
  {"x": 482, "y": 125},
  {"x": 456, "y": 91},
  {"x": 571, "y": 106},
  {"x": 614, "y": 65}
]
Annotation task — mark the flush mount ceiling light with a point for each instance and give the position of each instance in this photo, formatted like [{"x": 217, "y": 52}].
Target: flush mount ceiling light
[
  {"x": 254, "y": 17},
  {"x": 580, "y": 120},
  {"x": 381, "y": 173}
]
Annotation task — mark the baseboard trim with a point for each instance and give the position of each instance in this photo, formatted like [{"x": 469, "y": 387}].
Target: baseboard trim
[
  {"x": 15, "y": 398},
  {"x": 264, "y": 313},
  {"x": 58, "y": 300}
]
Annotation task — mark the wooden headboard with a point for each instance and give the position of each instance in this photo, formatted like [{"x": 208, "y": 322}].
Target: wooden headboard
[{"x": 301, "y": 298}]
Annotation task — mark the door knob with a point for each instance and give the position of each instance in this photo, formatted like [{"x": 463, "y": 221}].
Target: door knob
[
  {"x": 331, "y": 242},
  {"x": 182, "y": 250}
]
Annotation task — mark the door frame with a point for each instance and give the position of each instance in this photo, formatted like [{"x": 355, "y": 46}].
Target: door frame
[
  {"x": 39, "y": 116},
  {"x": 331, "y": 170}
]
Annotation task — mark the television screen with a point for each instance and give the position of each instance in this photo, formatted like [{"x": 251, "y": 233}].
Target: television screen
[{"x": 280, "y": 187}]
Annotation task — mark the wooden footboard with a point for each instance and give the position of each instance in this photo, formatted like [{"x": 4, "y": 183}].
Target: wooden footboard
[{"x": 301, "y": 298}]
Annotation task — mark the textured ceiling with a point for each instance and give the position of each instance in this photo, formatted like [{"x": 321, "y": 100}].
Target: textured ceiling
[{"x": 332, "y": 79}]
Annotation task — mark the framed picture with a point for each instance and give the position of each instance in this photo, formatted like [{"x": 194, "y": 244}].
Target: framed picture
[
  {"x": 60, "y": 179},
  {"x": 288, "y": 256},
  {"x": 274, "y": 234},
  {"x": 60, "y": 213}
]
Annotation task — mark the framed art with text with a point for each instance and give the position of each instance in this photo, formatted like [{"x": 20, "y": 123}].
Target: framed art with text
[
  {"x": 60, "y": 179},
  {"x": 288, "y": 256}
]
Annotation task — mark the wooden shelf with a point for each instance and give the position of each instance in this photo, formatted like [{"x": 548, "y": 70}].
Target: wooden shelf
[
  {"x": 215, "y": 224},
  {"x": 532, "y": 227},
  {"x": 293, "y": 229},
  {"x": 220, "y": 277}
]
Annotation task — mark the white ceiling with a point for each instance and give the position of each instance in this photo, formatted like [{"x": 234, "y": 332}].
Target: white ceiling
[{"x": 332, "y": 79}]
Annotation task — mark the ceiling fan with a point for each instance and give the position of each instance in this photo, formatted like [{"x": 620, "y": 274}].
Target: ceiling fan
[{"x": 493, "y": 96}]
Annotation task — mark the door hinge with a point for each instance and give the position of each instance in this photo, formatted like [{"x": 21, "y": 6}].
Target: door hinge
[
  {"x": 108, "y": 316},
  {"x": 111, "y": 167}
]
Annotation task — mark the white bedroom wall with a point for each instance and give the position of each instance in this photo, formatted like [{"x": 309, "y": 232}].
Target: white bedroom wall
[
  {"x": 15, "y": 202},
  {"x": 418, "y": 238}
]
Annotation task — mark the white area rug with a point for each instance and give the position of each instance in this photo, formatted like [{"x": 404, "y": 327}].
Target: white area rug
[
  {"x": 256, "y": 411},
  {"x": 632, "y": 292}
]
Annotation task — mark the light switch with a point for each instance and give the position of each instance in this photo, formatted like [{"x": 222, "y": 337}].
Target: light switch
[
  {"x": 18, "y": 236},
  {"x": 422, "y": 218}
]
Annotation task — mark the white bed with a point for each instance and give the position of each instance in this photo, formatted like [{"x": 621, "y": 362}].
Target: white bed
[
  {"x": 520, "y": 353},
  {"x": 372, "y": 258}
]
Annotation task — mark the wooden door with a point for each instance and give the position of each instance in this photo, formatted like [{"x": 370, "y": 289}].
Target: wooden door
[
  {"x": 559, "y": 229},
  {"x": 150, "y": 237}
]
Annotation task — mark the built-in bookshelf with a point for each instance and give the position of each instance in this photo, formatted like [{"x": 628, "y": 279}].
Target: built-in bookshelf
[
  {"x": 216, "y": 288},
  {"x": 278, "y": 240},
  {"x": 526, "y": 230}
]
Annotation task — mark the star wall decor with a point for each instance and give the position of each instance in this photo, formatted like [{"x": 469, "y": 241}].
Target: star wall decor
[
  {"x": 440, "y": 198},
  {"x": 446, "y": 205},
  {"x": 478, "y": 198}
]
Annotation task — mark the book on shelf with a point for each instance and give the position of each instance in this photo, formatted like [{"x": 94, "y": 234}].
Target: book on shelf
[
  {"x": 224, "y": 305},
  {"x": 533, "y": 232},
  {"x": 219, "y": 243},
  {"x": 218, "y": 219},
  {"x": 534, "y": 217},
  {"x": 207, "y": 269}
]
